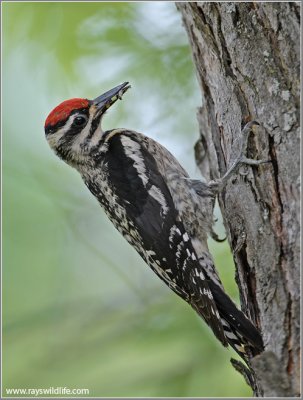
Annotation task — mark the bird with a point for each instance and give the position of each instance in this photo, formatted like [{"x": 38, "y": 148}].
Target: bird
[{"x": 163, "y": 214}]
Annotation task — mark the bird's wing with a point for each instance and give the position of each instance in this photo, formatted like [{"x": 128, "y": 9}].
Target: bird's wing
[{"x": 166, "y": 246}]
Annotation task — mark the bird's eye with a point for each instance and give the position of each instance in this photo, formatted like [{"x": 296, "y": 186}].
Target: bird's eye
[{"x": 80, "y": 120}]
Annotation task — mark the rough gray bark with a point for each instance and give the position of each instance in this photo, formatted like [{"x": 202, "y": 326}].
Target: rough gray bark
[{"x": 247, "y": 60}]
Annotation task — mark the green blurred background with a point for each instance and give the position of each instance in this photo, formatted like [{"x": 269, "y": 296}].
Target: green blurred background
[{"x": 80, "y": 308}]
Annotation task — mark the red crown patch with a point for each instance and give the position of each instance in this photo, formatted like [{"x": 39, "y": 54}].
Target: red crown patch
[{"x": 63, "y": 110}]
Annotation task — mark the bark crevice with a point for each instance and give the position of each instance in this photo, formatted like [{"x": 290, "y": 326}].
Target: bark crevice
[{"x": 247, "y": 59}]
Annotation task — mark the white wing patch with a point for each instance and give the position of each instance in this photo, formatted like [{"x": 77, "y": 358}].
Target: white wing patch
[
  {"x": 133, "y": 150},
  {"x": 186, "y": 237},
  {"x": 158, "y": 195}
]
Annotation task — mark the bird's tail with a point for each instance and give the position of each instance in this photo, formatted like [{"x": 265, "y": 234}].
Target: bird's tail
[{"x": 240, "y": 332}]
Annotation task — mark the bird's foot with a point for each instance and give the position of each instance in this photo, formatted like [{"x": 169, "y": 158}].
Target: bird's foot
[{"x": 217, "y": 185}]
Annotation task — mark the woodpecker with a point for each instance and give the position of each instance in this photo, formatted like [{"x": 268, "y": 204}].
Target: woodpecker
[{"x": 154, "y": 204}]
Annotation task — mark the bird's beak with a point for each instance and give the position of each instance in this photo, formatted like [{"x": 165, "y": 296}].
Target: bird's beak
[{"x": 107, "y": 99}]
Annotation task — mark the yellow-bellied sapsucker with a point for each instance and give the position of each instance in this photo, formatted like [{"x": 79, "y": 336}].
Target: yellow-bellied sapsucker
[{"x": 152, "y": 201}]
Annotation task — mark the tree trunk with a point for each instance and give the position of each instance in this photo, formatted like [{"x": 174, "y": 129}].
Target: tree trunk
[{"x": 248, "y": 61}]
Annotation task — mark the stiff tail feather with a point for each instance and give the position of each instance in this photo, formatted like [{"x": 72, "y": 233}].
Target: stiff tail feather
[{"x": 239, "y": 330}]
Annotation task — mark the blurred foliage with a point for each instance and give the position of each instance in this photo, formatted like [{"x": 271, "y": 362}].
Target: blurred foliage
[{"x": 80, "y": 308}]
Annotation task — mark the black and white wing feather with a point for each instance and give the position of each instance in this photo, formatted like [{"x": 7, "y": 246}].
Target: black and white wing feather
[{"x": 165, "y": 245}]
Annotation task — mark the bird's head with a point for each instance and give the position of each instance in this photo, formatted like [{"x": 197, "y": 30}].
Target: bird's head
[{"x": 73, "y": 128}]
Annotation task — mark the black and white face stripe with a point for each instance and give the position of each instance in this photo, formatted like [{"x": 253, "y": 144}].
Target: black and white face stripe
[
  {"x": 69, "y": 122},
  {"x": 75, "y": 137}
]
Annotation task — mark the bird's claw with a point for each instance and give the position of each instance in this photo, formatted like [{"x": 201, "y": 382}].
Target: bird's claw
[{"x": 215, "y": 186}]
